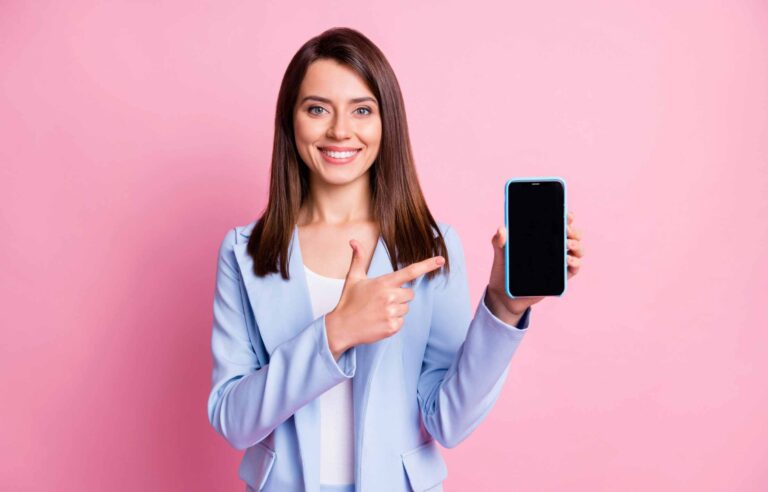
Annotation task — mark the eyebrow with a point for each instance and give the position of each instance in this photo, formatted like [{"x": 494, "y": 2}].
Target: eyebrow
[{"x": 328, "y": 101}]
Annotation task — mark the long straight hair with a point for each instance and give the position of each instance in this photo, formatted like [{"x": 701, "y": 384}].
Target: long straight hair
[{"x": 408, "y": 229}]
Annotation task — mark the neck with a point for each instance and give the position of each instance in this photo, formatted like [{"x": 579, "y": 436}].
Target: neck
[{"x": 332, "y": 204}]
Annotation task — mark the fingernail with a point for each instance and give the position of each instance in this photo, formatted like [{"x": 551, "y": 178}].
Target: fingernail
[{"x": 439, "y": 260}]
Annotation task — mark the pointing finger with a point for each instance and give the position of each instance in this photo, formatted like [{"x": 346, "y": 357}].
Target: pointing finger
[{"x": 413, "y": 271}]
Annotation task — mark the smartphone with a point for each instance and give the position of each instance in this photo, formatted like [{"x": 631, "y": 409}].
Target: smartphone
[{"x": 535, "y": 216}]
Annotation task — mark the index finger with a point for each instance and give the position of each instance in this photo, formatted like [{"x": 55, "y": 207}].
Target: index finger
[{"x": 413, "y": 271}]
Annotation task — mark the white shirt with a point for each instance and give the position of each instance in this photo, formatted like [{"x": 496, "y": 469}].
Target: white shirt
[{"x": 337, "y": 434}]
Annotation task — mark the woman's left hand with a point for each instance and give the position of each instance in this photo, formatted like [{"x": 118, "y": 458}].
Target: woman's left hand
[{"x": 508, "y": 309}]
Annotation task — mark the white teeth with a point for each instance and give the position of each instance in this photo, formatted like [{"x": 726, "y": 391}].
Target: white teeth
[{"x": 340, "y": 155}]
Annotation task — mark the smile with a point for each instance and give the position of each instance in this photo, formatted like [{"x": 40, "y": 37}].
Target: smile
[{"x": 340, "y": 156}]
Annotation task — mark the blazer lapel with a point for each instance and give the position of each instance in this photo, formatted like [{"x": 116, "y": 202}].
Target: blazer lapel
[
  {"x": 367, "y": 361},
  {"x": 282, "y": 308}
]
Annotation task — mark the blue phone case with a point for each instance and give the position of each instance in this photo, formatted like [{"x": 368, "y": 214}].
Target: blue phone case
[{"x": 565, "y": 233}]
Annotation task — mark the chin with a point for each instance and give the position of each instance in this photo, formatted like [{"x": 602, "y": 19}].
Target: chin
[
  {"x": 339, "y": 180},
  {"x": 340, "y": 176}
]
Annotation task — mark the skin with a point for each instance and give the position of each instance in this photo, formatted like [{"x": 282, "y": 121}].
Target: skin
[
  {"x": 337, "y": 218},
  {"x": 339, "y": 204}
]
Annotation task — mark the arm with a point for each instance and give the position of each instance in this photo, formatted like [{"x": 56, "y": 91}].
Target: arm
[
  {"x": 467, "y": 358},
  {"x": 248, "y": 398}
]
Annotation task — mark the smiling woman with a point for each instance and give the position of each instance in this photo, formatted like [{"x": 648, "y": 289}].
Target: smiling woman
[
  {"x": 310, "y": 295},
  {"x": 339, "y": 94},
  {"x": 331, "y": 129}
]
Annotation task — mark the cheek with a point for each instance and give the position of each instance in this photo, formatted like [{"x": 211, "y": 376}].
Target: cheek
[
  {"x": 372, "y": 134},
  {"x": 303, "y": 130},
  {"x": 304, "y": 137}
]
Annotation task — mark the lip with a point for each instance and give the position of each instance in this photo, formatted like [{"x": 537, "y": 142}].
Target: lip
[
  {"x": 333, "y": 160},
  {"x": 338, "y": 149}
]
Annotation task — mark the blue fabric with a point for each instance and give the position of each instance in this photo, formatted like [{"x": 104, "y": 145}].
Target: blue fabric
[
  {"x": 442, "y": 371},
  {"x": 337, "y": 488}
]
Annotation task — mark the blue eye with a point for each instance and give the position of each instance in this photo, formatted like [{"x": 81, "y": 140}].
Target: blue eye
[{"x": 311, "y": 108}]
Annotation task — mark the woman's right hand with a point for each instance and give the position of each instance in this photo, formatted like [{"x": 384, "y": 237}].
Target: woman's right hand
[{"x": 371, "y": 308}]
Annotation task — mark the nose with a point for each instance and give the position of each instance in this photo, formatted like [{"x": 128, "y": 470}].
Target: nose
[{"x": 339, "y": 127}]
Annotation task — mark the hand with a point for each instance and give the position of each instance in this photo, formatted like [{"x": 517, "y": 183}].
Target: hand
[
  {"x": 508, "y": 309},
  {"x": 372, "y": 308}
]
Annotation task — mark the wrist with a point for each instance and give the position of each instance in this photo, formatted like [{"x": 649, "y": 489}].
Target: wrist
[
  {"x": 495, "y": 303},
  {"x": 336, "y": 342}
]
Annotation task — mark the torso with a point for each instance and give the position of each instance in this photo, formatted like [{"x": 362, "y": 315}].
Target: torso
[{"x": 325, "y": 249}]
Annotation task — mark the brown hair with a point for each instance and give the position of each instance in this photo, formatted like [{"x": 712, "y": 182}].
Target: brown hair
[{"x": 406, "y": 225}]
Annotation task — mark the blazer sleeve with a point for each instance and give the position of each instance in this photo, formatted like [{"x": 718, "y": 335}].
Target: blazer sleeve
[
  {"x": 467, "y": 357},
  {"x": 250, "y": 398}
]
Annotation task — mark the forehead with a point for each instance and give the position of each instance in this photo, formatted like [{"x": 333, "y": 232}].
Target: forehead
[{"x": 331, "y": 79}]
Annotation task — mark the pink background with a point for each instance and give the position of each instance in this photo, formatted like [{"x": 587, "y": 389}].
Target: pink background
[{"x": 134, "y": 134}]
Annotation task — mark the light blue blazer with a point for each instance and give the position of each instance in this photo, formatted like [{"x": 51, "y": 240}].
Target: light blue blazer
[{"x": 434, "y": 380}]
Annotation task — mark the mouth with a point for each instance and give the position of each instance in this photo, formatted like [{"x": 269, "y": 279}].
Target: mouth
[{"x": 339, "y": 155}]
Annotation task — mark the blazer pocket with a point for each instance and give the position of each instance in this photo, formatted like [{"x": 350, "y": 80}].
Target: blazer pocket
[
  {"x": 256, "y": 465},
  {"x": 424, "y": 466}
]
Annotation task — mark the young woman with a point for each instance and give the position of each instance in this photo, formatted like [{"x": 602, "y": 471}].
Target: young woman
[{"x": 343, "y": 342}]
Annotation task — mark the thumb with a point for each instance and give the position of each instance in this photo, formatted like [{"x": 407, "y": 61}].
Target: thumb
[
  {"x": 499, "y": 240},
  {"x": 356, "y": 266}
]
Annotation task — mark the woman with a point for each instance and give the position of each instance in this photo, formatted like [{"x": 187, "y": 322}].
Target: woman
[{"x": 328, "y": 371}]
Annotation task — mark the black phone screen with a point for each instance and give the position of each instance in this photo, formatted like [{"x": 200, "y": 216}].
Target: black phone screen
[{"x": 536, "y": 238}]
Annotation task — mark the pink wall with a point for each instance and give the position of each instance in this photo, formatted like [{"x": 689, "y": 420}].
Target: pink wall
[{"x": 134, "y": 134}]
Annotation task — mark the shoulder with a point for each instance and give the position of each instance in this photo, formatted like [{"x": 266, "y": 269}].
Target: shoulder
[
  {"x": 227, "y": 260},
  {"x": 244, "y": 231},
  {"x": 455, "y": 255},
  {"x": 235, "y": 235},
  {"x": 450, "y": 236},
  {"x": 453, "y": 244},
  {"x": 446, "y": 230}
]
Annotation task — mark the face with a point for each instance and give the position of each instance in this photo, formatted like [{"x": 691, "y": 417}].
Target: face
[{"x": 336, "y": 114}]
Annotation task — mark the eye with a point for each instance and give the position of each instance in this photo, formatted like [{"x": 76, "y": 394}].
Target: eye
[
  {"x": 309, "y": 110},
  {"x": 365, "y": 108}
]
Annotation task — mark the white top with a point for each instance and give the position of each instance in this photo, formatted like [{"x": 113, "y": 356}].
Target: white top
[{"x": 337, "y": 433}]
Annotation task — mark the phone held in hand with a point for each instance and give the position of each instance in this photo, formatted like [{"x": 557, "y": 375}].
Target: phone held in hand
[{"x": 535, "y": 216}]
